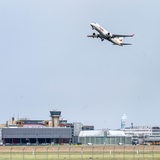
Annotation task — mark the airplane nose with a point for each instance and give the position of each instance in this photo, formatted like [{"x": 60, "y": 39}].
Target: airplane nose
[{"x": 92, "y": 24}]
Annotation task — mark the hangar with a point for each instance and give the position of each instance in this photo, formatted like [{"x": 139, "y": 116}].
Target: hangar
[
  {"x": 36, "y": 135},
  {"x": 104, "y": 137}
]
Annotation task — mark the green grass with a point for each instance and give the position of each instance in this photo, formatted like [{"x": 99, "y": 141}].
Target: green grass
[{"x": 80, "y": 153}]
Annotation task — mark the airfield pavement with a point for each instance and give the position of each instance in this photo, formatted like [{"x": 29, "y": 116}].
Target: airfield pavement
[{"x": 79, "y": 148}]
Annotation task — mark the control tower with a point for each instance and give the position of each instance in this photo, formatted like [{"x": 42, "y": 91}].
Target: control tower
[{"x": 55, "y": 118}]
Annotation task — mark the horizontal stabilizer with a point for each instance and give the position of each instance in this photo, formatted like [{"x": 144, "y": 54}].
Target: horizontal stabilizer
[
  {"x": 125, "y": 44},
  {"x": 90, "y": 36},
  {"x": 94, "y": 35}
]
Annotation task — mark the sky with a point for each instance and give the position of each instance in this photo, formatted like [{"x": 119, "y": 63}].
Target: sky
[{"x": 48, "y": 63}]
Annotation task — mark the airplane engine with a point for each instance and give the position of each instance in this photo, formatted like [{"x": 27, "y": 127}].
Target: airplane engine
[
  {"x": 109, "y": 34},
  {"x": 95, "y": 35}
]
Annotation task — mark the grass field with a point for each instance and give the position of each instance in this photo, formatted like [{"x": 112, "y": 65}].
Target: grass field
[{"x": 80, "y": 152}]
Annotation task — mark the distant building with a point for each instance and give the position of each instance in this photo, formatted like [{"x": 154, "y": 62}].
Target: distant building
[
  {"x": 87, "y": 127},
  {"x": 107, "y": 137},
  {"x": 77, "y": 128},
  {"x": 138, "y": 131},
  {"x": 56, "y": 130},
  {"x": 156, "y": 131},
  {"x": 123, "y": 121},
  {"x": 32, "y": 123},
  {"x": 92, "y": 137},
  {"x": 36, "y": 135},
  {"x": 154, "y": 138}
]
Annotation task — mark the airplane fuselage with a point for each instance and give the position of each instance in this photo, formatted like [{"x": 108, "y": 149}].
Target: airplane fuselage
[{"x": 105, "y": 34}]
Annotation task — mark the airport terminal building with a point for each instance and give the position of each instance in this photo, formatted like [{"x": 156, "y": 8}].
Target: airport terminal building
[
  {"x": 38, "y": 132},
  {"x": 59, "y": 131}
]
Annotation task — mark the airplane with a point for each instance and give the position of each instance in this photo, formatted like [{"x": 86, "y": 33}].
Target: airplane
[{"x": 116, "y": 39}]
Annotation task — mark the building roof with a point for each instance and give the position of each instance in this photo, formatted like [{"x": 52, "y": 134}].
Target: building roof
[
  {"x": 92, "y": 133},
  {"x": 116, "y": 133}
]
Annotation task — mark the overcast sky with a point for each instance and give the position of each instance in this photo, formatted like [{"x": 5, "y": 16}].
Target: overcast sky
[{"x": 48, "y": 63}]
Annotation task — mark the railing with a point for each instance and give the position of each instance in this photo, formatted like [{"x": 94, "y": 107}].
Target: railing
[{"x": 75, "y": 152}]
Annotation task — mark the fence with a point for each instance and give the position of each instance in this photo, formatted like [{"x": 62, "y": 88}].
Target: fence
[{"x": 72, "y": 152}]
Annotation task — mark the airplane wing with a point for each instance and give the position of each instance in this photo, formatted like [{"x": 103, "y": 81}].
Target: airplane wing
[{"x": 122, "y": 35}]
